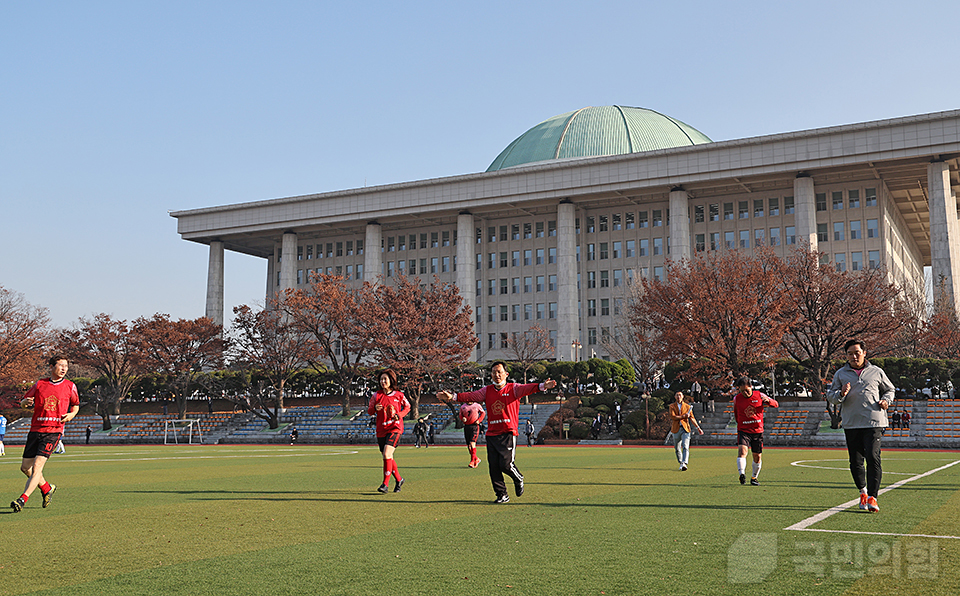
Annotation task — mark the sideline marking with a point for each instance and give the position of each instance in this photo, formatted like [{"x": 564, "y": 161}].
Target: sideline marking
[
  {"x": 802, "y": 464},
  {"x": 804, "y": 525}
]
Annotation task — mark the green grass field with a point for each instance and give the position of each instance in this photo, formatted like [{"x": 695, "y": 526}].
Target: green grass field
[{"x": 249, "y": 520}]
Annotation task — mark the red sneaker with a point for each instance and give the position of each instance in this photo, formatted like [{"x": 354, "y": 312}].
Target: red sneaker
[
  {"x": 872, "y": 506},
  {"x": 863, "y": 501}
]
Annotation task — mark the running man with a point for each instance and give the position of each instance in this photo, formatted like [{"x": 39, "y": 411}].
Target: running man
[
  {"x": 55, "y": 402},
  {"x": 748, "y": 407}
]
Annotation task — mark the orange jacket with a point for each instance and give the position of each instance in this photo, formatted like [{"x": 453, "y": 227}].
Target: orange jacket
[{"x": 678, "y": 417}]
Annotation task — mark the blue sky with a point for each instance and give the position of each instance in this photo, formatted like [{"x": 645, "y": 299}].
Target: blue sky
[{"x": 114, "y": 113}]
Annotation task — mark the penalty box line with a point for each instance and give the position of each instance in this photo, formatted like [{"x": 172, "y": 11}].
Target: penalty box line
[{"x": 804, "y": 526}]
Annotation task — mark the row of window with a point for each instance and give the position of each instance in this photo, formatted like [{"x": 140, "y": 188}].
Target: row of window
[{"x": 333, "y": 249}]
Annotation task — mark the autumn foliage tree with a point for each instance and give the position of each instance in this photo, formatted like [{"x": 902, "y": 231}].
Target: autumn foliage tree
[
  {"x": 180, "y": 350},
  {"x": 104, "y": 344},
  {"x": 722, "y": 311},
  {"x": 24, "y": 335},
  {"x": 332, "y": 315},
  {"x": 267, "y": 341},
  {"x": 529, "y": 347},
  {"x": 421, "y": 332}
]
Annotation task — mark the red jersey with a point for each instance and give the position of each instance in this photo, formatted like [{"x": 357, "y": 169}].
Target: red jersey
[
  {"x": 51, "y": 402},
  {"x": 396, "y": 399},
  {"x": 503, "y": 405},
  {"x": 749, "y": 411},
  {"x": 472, "y": 413}
]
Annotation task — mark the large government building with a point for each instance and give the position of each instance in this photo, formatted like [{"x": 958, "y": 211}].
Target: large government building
[{"x": 553, "y": 232}]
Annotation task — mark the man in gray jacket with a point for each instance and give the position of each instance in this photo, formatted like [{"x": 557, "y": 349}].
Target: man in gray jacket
[{"x": 864, "y": 393}]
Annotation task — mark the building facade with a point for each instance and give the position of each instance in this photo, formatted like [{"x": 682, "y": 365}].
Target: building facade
[{"x": 553, "y": 235}]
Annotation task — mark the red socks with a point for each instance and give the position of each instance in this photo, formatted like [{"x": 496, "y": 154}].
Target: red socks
[
  {"x": 45, "y": 488},
  {"x": 24, "y": 497},
  {"x": 390, "y": 467},
  {"x": 473, "y": 452}
]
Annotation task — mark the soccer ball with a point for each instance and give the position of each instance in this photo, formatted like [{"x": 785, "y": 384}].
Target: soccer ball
[{"x": 470, "y": 415}]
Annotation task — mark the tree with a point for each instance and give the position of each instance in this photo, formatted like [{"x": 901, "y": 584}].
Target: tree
[
  {"x": 829, "y": 307},
  {"x": 331, "y": 314},
  {"x": 940, "y": 336},
  {"x": 633, "y": 339},
  {"x": 419, "y": 332},
  {"x": 721, "y": 310},
  {"x": 103, "y": 344},
  {"x": 180, "y": 349},
  {"x": 529, "y": 347},
  {"x": 267, "y": 341},
  {"x": 24, "y": 335}
]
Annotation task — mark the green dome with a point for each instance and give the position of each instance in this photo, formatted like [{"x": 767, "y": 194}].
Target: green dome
[{"x": 597, "y": 131}]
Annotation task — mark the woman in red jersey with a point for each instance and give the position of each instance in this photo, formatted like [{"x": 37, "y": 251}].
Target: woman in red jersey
[{"x": 389, "y": 406}]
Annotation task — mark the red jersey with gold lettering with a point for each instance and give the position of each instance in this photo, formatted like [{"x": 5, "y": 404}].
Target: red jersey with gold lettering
[
  {"x": 503, "y": 405},
  {"x": 749, "y": 411},
  {"x": 395, "y": 401},
  {"x": 51, "y": 402}
]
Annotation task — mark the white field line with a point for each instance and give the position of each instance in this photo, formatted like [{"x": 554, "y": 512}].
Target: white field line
[{"x": 804, "y": 526}]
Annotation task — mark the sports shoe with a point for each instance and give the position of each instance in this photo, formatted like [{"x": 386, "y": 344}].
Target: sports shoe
[
  {"x": 863, "y": 501},
  {"x": 683, "y": 468},
  {"x": 382, "y": 488},
  {"x": 754, "y": 481},
  {"x": 518, "y": 487},
  {"x": 502, "y": 499},
  {"x": 396, "y": 489},
  {"x": 18, "y": 505},
  {"x": 49, "y": 496},
  {"x": 872, "y": 506},
  {"x": 473, "y": 463},
  {"x": 743, "y": 479}
]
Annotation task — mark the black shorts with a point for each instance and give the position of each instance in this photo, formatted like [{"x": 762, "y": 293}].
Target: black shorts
[
  {"x": 392, "y": 439},
  {"x": 753, "y": 440},
  {"x": 471, "y": 432},
  {"x": 40, "y": 444}
]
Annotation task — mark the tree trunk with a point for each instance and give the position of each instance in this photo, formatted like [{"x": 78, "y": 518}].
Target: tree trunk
[
  {"x": 834, "y": 412},
  {"x": 106, "y": 421}
]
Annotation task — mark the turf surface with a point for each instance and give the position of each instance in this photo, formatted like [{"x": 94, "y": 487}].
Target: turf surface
[{"x": 307, "y": 520}]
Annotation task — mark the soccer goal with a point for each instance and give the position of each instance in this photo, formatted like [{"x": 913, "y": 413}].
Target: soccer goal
[{"x": 182, "y": 430}]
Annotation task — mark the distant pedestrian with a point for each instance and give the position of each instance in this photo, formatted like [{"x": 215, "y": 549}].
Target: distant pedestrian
[
  {"x": 530, "y": 431},
  {"x": 89, "y": 430},
  {"x": 681, "y": 417},
  {"x": 420, "y": 433},
  {"x": 905, "y": 419},
  {"x": 294, "y": 435},
  {"x": 3, "y": 431}
]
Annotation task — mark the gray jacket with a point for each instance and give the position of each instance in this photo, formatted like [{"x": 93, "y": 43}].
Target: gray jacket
[{"x": 860, "y": 408}]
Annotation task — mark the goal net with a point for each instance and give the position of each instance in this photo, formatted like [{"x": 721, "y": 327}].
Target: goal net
[{"x": 182, "y": 431}]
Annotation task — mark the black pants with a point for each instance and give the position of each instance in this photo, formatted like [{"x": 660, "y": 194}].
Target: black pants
[
  {"x": 501, "y": 450},
  {"x": 864, "y": 444}
]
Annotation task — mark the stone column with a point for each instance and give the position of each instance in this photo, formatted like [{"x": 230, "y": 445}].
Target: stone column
[
  {"x": 568, "y": 320},
  {"x": 372, "y": 257},
  {"x": 466, "y": 269},
  {"x": 805, "y": 214},
  {"x": 679, "y": 225},
  {"x": 214, "y": 310},
  {"x": 288, "y": 262},
  {"x": 271, "y": 275},
  {"x": 944, "y": 233}
]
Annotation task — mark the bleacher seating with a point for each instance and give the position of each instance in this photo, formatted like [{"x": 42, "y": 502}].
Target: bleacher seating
[
  {"x": 943, "y": 419},
  {"x": 789, "y": 423}
]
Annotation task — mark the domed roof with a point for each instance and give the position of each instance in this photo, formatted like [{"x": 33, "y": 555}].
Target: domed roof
[{"x": 597, "y": 131}]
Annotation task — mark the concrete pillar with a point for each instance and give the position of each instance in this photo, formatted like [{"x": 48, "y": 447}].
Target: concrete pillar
[
  {"x": 466, "y": 270},
  {"x": 805, "y": 212},
  {"x": 372, "y": 257},
  {"x": 944, "y": 234},
  {"x": 214, "y": 310},
  {"x": 288, "y": 262},
  {"x": 568, "y": 320},
  {"x": 271, "y": 276},
  {"x": 679, "y": 225}
]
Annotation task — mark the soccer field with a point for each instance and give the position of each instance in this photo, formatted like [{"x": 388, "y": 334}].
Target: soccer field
[{"x": 593, "y": 520}]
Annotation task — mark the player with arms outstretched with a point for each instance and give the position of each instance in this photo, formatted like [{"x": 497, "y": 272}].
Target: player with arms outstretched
[
  {"x": 748, "y": 405},
  {"x": 502, "y": 400},
  {"x": 389, "y": 406},
  {"x": 55, "y": 402},
  {"x": 472, "y": 415}
]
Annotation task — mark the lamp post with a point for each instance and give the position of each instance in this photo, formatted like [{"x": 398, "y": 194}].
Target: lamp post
[{"x": 575, "y": 346}]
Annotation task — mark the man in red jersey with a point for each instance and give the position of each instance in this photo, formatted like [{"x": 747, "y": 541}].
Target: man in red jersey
[
  {"x": 502, "y": 401},
  {"x": 748, "y": 407},
  {"x": 472, "y": 415},
  {"x": 55, "y": 402}
]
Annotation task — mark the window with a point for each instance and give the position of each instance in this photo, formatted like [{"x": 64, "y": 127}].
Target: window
[
  {"x": 504, "y": 288},
  {"x": 605, "y": 307},
  {"x": 504, "y": 316},
  {"x": 744, "y": 238},
  {"x": 578, "y": 253},
  {"x": 539, "y": 283},
  {"x": 838, "y": 231},
  {"x": 479, "y": 287},
  {"x": 855, "y": 233},
  {"x": 658, "y": 273},
  {"x": 657, "y": 218},
  {"x": 604, "y": 251},
  {"x": 349, "y": 272},
  {"x": 774, "y": 236},
  {"x": 479, "y": 237},
  {"x": 714, "y": 212},
  {"x": 527, "y": 312},
  {"x": 491, "y": 337},
  {"x": 300, "y": 276},
  {"x": 873, "y": 231},
  {"x": 445, "y": 265},
  {"x": 412, "y": 267},
  {"x": 628, "y": 217},
  {"x": 591, "y": 252},
  {"x": 591, "y": 308},
  {"x": 527, "y": 231},
  {"x": 503, "y": 260},
  {"x": 658, "y": 246},
  {"x": 540, "y": 311},
  {"x": 788, "y": 208},
  {"x": 423, "y": 240},
  {"x": 644, "y": 247},
  {"x": 539, "y": 229},
  {"x": 503, "y": 233},
  {"x": 617, "y": 250},
  {"x": 631, "y": 248},
  {"x": 515, "y": 312},
  {"x": 413, "y": 244},
  {"x": 515, "y": 258},
  {"x": 791, "y": 235},
  {"x": 552, "y": 283},
  {"x": 515, "y": 231},
  {"x": 551, "y": 228},
  {"x": 527, "y": 284},
  {"x": 445, "y": 238},
  {"x": 389, "y": 268},
  {"x": 329, "y": 250},
  {"x": 492, "y": 261},
  {"x": 840, "y": 260},
  {"x": 479, "y": 260},
  {"x": 528, "y": 257},
  {"x": 870, "y": 197},
  {"x": 503, "y": 341},
  {"x": 821, "y": 232},
  {"x": 853, "y": 202},
  {"x": 591, "y": 279},
  {"x": 539, "y": 256},
  {"x": 699, "y": 244},
  {"x": 617, "y": 278},
  {"x": 516, "y": 285},
  {"x": 616, "y": 221},
  {"x": 728, "y": 211},
  {"x": 359, "y": 271},
  {"x": 492, "y": 234},
  {"x": 758, "y": 239},
  {"x": 743, "y": 211},
  {"x": 604, "y": 279},
  {"x": 591, "y": 336},
  {"x": 433, "y": 264},
  {"x": 491, "y": 314},
  {"x": 856, "y": 261},
  {"x": 552, "y": 255},
  {"x": 319, "y": 252},
  {"x": 617, "y": 306},
  {"x": 604, "y": 226},
  {"x": 821, "y": 200},
  {"x": 434, "y": 240},
  {"x": 339, "y": 249},
  {"x": 491, "y": 287},
  {"x": 729, "y": 242},
  {"x": 774, "y": 206},
  {"x": 874, "y": 258},
  {"x": 758, "y": 207},
  {"x": 698, "y": 214},
  {"x": 837, "y": 200},
  {"x": 552, "y": 310},
  {"x": 300, "y": 252},
  {"x": 591, "y": 224},
  {"x": 642, "y": 216}
]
